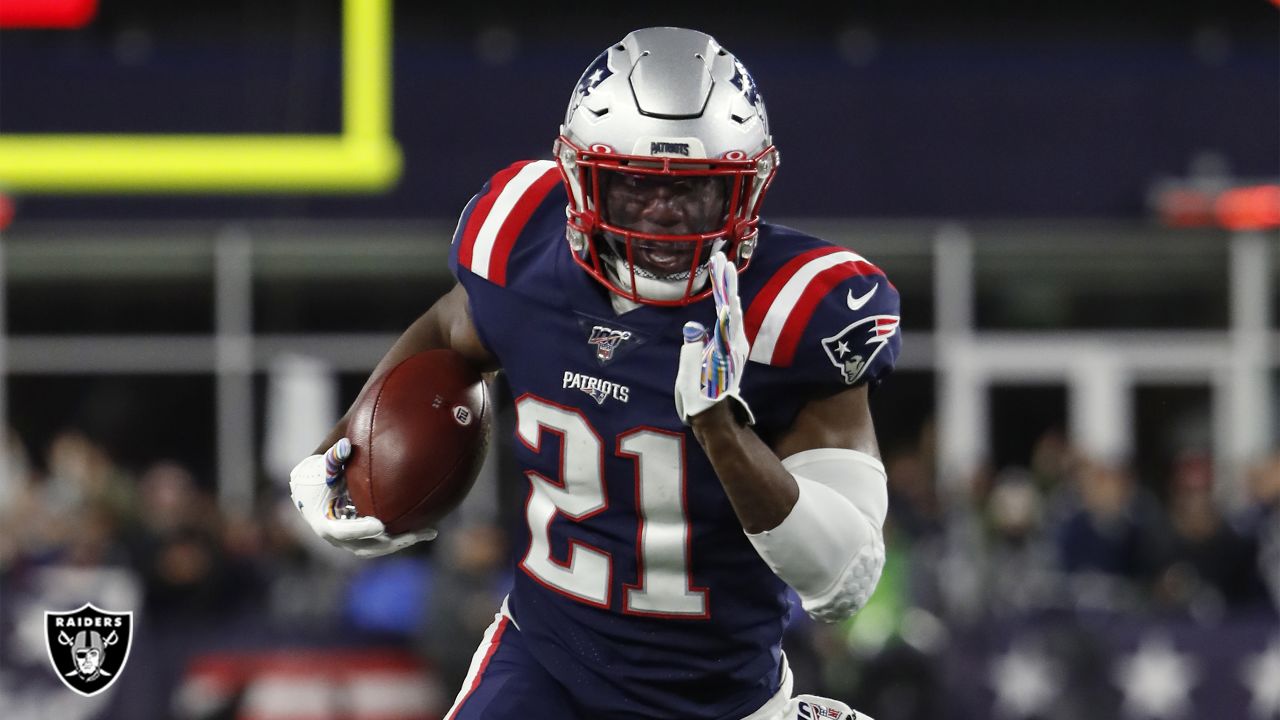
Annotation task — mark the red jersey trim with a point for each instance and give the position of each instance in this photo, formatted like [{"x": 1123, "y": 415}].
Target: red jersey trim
[
  {"x": 778, "y": 315},
  {"x": 500, "y": 214}
]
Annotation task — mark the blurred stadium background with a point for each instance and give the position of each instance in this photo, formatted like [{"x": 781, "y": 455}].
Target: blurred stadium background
[{"x": 215, "y": 217}]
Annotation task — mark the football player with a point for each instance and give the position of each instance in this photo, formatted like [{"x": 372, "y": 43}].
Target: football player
[{"x": 661, "y": 535}]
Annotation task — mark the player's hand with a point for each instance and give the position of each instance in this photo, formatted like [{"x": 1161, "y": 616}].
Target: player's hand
[
  {"x": 711, "y": 366},
  {"x": 812, "y": 706},
  {"x": 319, "y": 492}
]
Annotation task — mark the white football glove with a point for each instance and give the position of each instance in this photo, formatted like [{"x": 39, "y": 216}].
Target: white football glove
[
  {"x": 319, "y": 493},
  {"x": 812, "y": 707},
  {"x": 711, "y": 368}
]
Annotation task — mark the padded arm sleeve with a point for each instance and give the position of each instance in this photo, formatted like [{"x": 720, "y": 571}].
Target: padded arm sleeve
[{"x": 830, "y": 548}]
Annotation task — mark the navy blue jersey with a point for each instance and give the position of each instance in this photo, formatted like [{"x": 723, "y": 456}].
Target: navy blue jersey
[{"x": 637, "y": 587}]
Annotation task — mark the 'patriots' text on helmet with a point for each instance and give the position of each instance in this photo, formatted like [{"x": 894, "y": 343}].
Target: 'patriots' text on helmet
[{"x": 666, "y": 154}]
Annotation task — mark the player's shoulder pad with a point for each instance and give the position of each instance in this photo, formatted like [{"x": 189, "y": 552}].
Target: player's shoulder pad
[
  {"x": 495, "y": 218},
  {"x": 826, "y": 306}
]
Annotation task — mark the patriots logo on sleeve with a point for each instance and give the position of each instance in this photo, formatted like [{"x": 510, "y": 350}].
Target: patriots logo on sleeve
[{"x": 852, "y": 349}]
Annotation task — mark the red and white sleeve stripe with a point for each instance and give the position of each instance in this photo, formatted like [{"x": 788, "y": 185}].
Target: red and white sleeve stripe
[
  {"x": 778, "y": 315},
  {"x": 500, "y": 214}
]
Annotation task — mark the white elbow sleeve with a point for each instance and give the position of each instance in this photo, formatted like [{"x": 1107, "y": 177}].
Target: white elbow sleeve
[{"x": 830, "y": 548}]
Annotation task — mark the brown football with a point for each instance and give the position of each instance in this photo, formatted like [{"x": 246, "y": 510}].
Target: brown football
[{"x": 419, "y": 433}]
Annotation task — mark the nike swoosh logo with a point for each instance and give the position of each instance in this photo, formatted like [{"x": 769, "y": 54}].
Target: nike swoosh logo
[{"x": 856, "y": 303}]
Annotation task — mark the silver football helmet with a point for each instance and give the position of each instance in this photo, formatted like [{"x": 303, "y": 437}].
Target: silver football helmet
[{"x": 664, "y": 112}]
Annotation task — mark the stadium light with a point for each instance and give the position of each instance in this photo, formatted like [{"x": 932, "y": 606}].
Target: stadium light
[{"x": 47, "y": 14}]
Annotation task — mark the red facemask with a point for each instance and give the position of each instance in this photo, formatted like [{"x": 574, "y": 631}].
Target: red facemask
[{"x": 641, "y": 220}]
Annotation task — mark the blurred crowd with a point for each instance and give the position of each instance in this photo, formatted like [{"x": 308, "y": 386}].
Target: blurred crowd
[
  {"x": 75, "y": 526},
  {"x": 1063, "y": 534},
  {"x": 1068, "y": 531}
]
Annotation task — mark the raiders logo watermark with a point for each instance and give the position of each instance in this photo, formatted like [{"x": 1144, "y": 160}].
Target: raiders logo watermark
[{"x": 88, "y": 647}]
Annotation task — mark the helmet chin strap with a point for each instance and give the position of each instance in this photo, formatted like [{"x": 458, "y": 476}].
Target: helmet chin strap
[
  {"x": 652, "y": 288},
  {"x": 648, "y": 286}
]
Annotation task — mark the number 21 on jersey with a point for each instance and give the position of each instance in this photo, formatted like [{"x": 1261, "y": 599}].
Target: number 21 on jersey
[{"x": 663, "y": 586}]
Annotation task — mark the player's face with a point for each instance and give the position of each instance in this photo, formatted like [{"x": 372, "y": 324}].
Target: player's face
[
  {"x": 664, "y": 205},
  {"x": 87, "y": 661}
]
